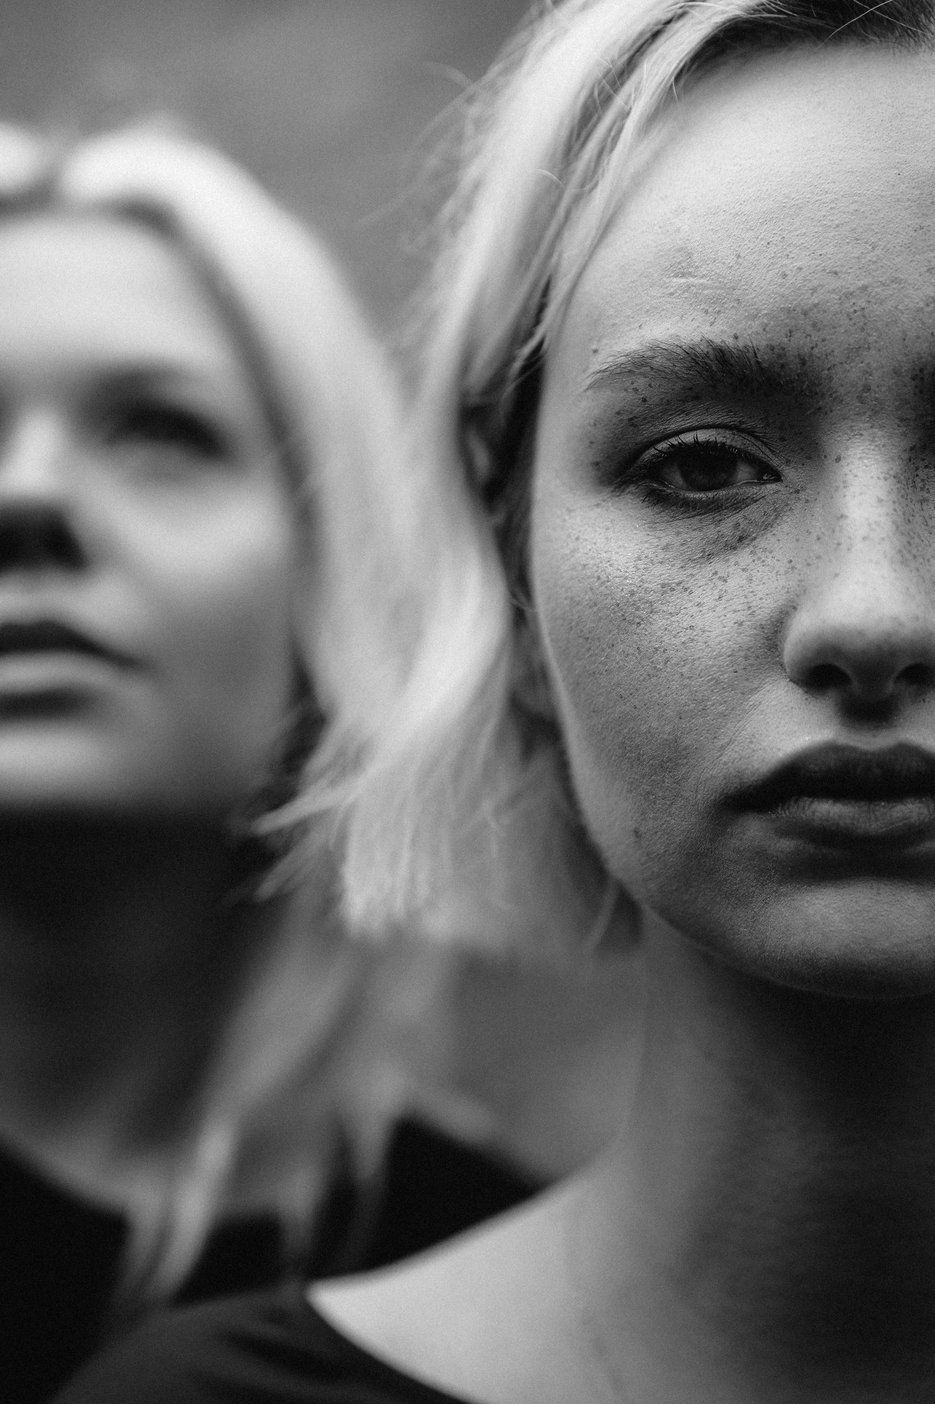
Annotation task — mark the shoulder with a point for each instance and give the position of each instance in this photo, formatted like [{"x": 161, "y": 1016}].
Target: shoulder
[{"x": 266, "y": 1345}]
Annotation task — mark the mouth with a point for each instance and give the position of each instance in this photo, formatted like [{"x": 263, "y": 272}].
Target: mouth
[
  {"x": 49, "y": 669},
  {"x": 842, "y": 794}
]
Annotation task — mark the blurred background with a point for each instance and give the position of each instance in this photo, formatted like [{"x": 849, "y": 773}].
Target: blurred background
[
  {"x": 330, "y": 102},
  {"x": 336, "y": 105}
]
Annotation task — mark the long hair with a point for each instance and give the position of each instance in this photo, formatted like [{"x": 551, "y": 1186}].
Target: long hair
[
  {"x": 464, "y": 813},
  {"x": 303, "y": 1022}
]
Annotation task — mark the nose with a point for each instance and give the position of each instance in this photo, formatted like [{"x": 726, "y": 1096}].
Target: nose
[
  {"x": 37, "y": 527},
  {"x": 864, "y": 623}
]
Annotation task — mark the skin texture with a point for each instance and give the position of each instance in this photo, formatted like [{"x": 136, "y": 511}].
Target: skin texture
[
  {"x": 691, "y": 651},
  {"x": 142, "y": 504}
]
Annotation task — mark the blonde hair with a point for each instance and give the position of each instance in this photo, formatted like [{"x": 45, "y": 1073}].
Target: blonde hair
[
  {"x": 295, "y": 1041},
  {"x": 463, "y": 813}
]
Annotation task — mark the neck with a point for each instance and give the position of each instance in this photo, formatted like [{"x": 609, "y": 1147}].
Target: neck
[
  {"x": 773, "y": 1193},
  {"x": 116, "y": 957}
]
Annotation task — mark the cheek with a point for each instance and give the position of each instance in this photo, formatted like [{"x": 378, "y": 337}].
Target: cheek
[
  {"x": 221, "y": 608},
  {"x": 653, "y": 660},
  {"x": 237, "y": 640}
]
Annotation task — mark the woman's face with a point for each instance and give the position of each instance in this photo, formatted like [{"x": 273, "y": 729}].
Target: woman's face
[
  {"x": 147, "y": 545},
  {"x": 733, "y": 521}
]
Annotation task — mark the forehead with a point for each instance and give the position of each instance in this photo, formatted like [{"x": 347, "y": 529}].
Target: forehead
[
  {"x": 80, "y": 287},
  {"x": 784, "y": 198}
]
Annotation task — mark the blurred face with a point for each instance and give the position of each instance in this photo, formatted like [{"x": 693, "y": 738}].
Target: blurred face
[
  {"x": 733, "y": 522},
  {"x": 147, "y": 547}
]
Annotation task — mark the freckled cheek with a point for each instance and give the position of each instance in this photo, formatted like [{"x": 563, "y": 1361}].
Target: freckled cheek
[{"x": 645, "y": 677}]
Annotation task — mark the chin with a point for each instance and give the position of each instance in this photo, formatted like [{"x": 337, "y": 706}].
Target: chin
[
  {"x": 74, "y": 792},
  {"x": 869, "y": 944},
  {"x": 70, "y": 771}
]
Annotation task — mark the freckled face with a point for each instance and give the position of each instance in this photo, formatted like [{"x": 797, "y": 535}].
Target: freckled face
[{"x": 733, "y": 518}]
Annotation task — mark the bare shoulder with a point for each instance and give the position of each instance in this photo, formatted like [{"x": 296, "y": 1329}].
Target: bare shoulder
[{"x": 468, "y": 1316}]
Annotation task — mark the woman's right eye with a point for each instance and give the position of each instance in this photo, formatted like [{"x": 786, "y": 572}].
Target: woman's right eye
[
  {"x": 164, "y": 428},
  {"x": 698, "y": 467}
]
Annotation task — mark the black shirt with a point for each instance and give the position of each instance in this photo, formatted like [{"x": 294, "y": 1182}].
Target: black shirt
[
  {"x": 60, "y": 1255},
  {"x": 266, "y": 1348}
]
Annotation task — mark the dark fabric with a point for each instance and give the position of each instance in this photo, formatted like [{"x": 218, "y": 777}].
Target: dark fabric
[
  {"x": 59, "y": 1262},
  {"x": 267, "y": 1348},
  {"x": 433, "y": 1185},
  {"x": 61, "y": 1258},
  {"x": 60, "y": 1255}
]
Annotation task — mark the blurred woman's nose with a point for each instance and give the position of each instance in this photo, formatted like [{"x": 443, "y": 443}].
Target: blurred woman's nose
[
  {"x": 864, "y": 622},
  {"x": 36, "y": 521}
]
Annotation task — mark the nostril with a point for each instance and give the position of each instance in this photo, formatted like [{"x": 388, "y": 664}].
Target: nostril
[
  {"x": 33, "y": 535},
  {"x": 869, "y": 681},
  {"x": 827, "y": 677},
  {"x": 917, "y": 675}
]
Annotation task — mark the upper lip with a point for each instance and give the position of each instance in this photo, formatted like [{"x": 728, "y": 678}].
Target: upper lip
[
  {"x": 844, "y": 772},
  {"x": 53, "y": 636}
]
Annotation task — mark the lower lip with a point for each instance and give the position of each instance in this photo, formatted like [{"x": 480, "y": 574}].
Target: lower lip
[{"x": 854, "y": 822}]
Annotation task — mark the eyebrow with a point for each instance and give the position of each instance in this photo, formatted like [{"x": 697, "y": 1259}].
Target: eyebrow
[
  {"x": 155, "y": 372},
  {"x": 119, "y": 378},
  {"x": 708, "y": 366}
]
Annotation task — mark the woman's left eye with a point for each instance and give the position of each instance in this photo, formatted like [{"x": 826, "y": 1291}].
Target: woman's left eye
[
  {"x": 165, "y": 428},
  {"x": 701, "y": 467}
]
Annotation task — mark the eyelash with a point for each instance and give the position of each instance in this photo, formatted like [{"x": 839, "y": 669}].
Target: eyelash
[
  {"x": 639, "y": 474},
  {"x": 165, "y": 427}
]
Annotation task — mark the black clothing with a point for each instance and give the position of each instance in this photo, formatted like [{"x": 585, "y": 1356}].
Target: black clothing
[
  {"x": 266, "y": 1348},
  {"x": 61, "y": 1255}
]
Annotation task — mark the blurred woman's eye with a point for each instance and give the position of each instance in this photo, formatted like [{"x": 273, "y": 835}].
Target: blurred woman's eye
[
  {"x": 168, "y": 429},
  {"x": 700, "y": 468}
]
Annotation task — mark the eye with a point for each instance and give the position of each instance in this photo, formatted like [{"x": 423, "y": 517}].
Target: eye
[
  {"x": 164, "y": 428},
  {"x": 700, "y": 467}
]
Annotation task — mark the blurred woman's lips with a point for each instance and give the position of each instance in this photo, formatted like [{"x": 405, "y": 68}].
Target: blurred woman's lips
[
  {"x": 838, "y": 794},
  {"x": 46, "y": 663}
]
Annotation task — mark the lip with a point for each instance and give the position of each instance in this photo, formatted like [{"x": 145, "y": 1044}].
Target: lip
[
  {"x": 47, "y": 665},
  {"x": 36, "y": 637},
  {"x": 841, "y": 794}
]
